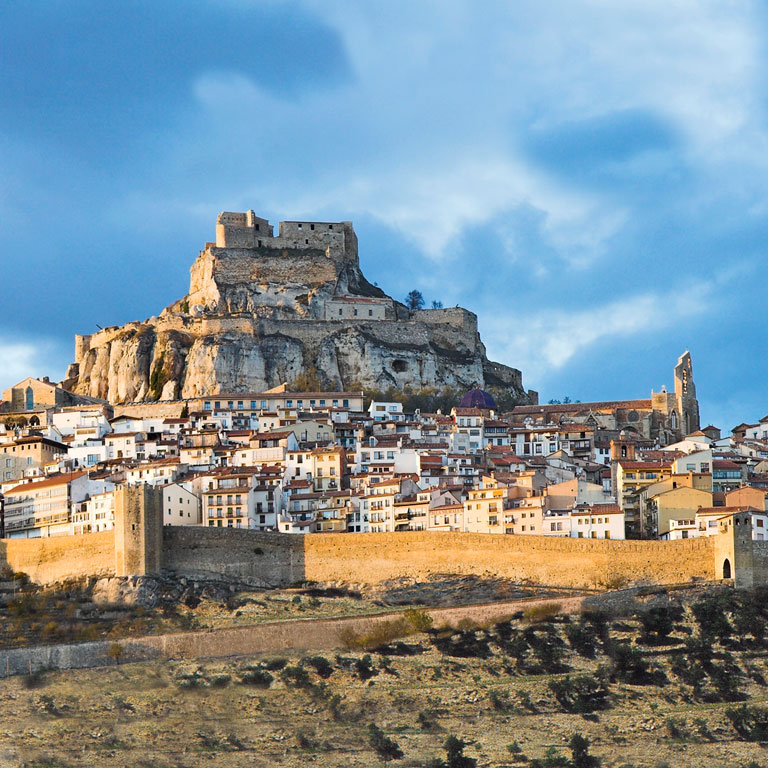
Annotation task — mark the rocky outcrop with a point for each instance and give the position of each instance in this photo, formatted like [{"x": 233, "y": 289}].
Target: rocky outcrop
[{"x": 261, "y": 315}]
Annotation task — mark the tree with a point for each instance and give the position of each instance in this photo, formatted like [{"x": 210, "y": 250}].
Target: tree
[
  {"x": 454, "y": 748},
  {"x": 437, "y": 304},
  {"x": 580, "y": 750},
  {"x": 414, "y": 301},
  {"x": 184, "y": 412},
  {"x": 382, "y": 745}
]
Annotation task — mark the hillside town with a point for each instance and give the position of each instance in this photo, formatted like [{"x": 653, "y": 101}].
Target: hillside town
[{"x": 307, "y": 462}]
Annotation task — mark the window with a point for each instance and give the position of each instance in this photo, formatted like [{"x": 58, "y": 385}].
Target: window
[{"x": 370, "y": 313}]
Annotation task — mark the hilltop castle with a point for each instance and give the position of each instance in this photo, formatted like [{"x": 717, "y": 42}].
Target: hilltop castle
[{"x": 263, "y": 309}]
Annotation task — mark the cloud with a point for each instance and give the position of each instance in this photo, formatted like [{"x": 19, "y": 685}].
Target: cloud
[
  {"x": 19, "y": 359},
  {"x": 549, "y": 339}
]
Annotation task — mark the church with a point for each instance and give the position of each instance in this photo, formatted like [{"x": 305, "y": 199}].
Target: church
[{"x": 664, "y": 418}]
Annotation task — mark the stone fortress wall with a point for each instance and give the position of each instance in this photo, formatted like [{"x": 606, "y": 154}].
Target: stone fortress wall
[{"x": 141, "y": 545}]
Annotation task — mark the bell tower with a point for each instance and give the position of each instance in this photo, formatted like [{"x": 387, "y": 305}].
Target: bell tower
[{"x": 685, "y": 395}]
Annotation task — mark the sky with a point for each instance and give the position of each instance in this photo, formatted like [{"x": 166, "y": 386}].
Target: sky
[{"x": 588, "y": 177}]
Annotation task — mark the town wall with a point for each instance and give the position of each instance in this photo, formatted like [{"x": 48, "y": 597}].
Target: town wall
[
  {"x": 261, "y": 559},
  {"x": 272, "y": 559},
  {"x": 58, "y": 558},
  {"x": 567, "y": 562},
  {"x": 269, "y": 559}
]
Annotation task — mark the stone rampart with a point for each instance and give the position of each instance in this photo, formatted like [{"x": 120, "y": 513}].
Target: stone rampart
[
  {"x": 566, "y": 562},
  {"x": 61, "y": 557},
  {"x": 260, "y": 559},
  {"x": 277, "y": 560},
  {"x": 268, "y": 559}
]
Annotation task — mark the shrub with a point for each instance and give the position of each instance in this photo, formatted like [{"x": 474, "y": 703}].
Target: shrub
[
  {"x": 552, "y": 759},
  {"x": 581, "y": 758},
  {"x": 751, "y": 723},
  {"x": 725, "y": 679},
  {"x": 703, "y": 729},
  {"x": 115, "y": 651},
  {"x": 258, "y": 677},
  {"x": 711, "y": 618},
  {"x": 598, "y": 620},
  {"x": 630, "y": 666},
  {"x": 583, "y": 638},
  {"x": 543, "y": 612},
  {"x": 582, "y": 693},
  {"x": 321, "y": 665},
  {"x": 548, "y": 647},
  {"x": 676, "y": 728},
  {"x": 748, "y": 621},
  {"x": 689, "y": 671},
  {"x": 658, "y": 622},
  {"x": 454, "y": 752},
  {"x": 364, "y": 669},
  {"x": 48, "y": 705},
  {"x": 383, "y": 746},
  {"x": 499, "y": 700},
  {"x": 297, "y": 676},
  {"x": 305, "y": 741},
  {"x": 274, "y": 665},
  {"x": 421, "y": 621},
  {"x": 465, "y": 644},
  {"x": 427, "y": 722},
  {"x": 379, "y": 635}
]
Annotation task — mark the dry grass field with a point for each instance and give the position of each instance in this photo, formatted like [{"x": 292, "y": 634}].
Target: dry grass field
[{"x": 669, "y": 685}]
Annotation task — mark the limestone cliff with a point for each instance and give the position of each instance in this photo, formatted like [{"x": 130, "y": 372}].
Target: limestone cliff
[{"x": 262, "y": 309}]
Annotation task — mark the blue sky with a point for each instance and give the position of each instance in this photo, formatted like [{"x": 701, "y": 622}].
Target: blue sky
[{"x": 589, "y": 177}]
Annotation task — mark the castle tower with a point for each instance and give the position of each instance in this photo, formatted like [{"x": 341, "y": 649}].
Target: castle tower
[
  {"x": 685, "y": 395},
  {"x": 734, "y": 550},
  {"x": 138, "y": 530}
]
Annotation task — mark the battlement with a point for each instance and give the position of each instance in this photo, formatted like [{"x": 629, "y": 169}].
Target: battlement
[{"x": 247, "y": 230}]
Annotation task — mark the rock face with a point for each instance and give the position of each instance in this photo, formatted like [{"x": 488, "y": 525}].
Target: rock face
[{"x": 263, "y": 309}]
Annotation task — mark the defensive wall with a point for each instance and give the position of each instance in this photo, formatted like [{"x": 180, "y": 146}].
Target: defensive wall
[{"x": 140, "y": 544}]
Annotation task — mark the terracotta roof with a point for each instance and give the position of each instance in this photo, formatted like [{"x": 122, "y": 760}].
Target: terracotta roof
[{"x": 49, "y": 483}]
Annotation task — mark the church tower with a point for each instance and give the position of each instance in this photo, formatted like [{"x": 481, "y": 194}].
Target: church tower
[{"x": 685, "y": 395}]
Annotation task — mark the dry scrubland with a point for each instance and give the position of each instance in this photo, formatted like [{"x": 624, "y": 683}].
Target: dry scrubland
[
  {"x": 668, "y": 685},
  {"x": 68, "y": 612}
]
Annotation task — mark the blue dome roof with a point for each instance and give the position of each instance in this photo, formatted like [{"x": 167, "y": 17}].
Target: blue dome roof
[{"x": 477, "y": 398}]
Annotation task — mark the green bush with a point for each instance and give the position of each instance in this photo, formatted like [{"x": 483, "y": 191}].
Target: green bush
[
  {"x": 296, "y": 676},
  {"x": 258, "y": 677},
  {"x": 499, "y": 700},
  {"x": 419, "y": 620},
  {"x": 581, "y": 758},
  {"x": 710, "y": 616},
  {"x": 467, "y": 643},
  {"x": 658, "y": 622},
  {"x": 321, "y": 665},
  {"x": 364, "y": 668},
  {"x": 383, "y": 746},
  {"x": 581, "y": 693},
  {"x": 583, "y": 638},
  {"x": 630, "y": 666},
  {"x": 274, "y": 665},
  {"x": 750, "y": 722}
]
